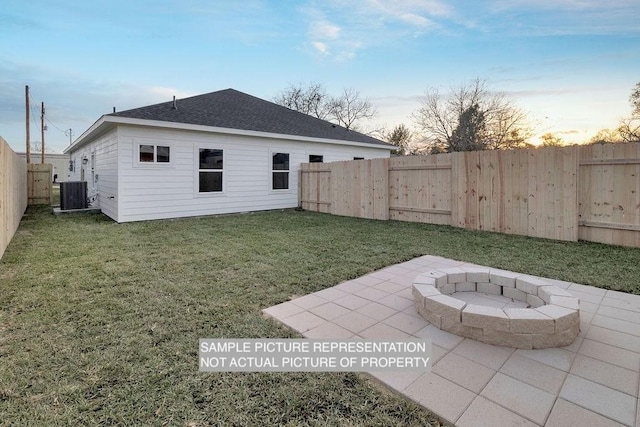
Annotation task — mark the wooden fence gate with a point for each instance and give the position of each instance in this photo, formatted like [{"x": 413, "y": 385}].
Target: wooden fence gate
[{"x": 39, "y": 183}]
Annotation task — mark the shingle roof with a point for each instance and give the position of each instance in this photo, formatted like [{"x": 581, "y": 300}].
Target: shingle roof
[{"x": 232, "y": 109}]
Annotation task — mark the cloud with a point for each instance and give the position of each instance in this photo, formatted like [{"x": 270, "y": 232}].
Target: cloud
[
  {"x": 569, "y": 132},
  {"x": 324, "y": 30},
  {"x": 415, "y": 19},
  {"x": 573, "y": 5},
  {"x": 320, "y": 48},
  {"x": 414, "y": 12},
  {"x": 339, "y": 29},
  {"x": 566, "y": 17},
  {"x": 556, "y": 92},
  {"x": 423, "y": 7},
  {"x": 348, "y": 51},
  {"x": 328, "y": 40}
]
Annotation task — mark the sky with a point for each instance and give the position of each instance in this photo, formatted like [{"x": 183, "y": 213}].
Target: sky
[{"x": 569, "y": 64}]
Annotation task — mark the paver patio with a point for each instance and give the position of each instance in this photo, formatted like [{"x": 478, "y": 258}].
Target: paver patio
[{"x": 594, "y": 381}]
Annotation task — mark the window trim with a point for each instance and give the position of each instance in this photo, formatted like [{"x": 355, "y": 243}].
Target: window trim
[
  {"x": 196, "y": 171},
  {"x": 272, "y": 153},
  {"x": 155, "y": 162},
  {"x": 196, "y": 168}
]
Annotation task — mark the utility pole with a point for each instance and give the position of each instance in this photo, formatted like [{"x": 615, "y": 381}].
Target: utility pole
[
  {"x": 26, "y": 95},
  {"x": 42, "y": 132},
  {"x": 69, "y": 133}
]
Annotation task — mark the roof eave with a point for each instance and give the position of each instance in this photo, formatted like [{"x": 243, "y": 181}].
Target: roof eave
[{"x": 99, "y": 127}]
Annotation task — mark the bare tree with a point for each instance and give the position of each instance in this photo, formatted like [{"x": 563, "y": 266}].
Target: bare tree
[
  {"x": 629, "y": 129},
  {"x": 312, "y": 100},
  {"x": 349, "y": 109},
  {"x": 439, "y": 116},
  {"x": 507, "y": 125},
  {"x": 437, "y": 119},
  {"x": 604, "y": 136}
]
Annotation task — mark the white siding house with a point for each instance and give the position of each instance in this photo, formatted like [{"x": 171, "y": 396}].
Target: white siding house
[{"x": 216, "y": 153}]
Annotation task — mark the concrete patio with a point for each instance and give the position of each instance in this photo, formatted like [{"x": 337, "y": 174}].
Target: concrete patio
[{"x": 593, "y": 381}]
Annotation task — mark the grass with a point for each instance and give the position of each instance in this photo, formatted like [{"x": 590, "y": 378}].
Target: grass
[{"x": 99, "y": 322}]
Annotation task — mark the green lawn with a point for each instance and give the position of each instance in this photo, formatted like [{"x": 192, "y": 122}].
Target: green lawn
[{"x": 99, "y": 322}]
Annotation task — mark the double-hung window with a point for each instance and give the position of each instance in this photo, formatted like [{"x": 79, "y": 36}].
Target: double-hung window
[
  {"x": 154, "y": 153},
  {"x": 280, "y": 171},
  {"x": 210, "y": 170}
]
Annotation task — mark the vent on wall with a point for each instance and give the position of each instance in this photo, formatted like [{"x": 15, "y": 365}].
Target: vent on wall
[{"x": 73, "y": 195}]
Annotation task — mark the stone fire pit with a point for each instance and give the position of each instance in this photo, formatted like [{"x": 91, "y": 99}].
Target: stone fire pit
[{"x": 551, "y": 319}]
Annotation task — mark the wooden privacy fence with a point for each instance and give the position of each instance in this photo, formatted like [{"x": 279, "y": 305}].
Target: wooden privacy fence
[
  {"x": 570, "y": 193},
  {"x": 13, "y": 193}
]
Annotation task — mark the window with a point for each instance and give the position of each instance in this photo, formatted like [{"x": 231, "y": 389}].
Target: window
[
  {"x": 280, "y": 171},
  {"x": 210, "y": 170},
  {"x": 358, "y": 158},
  {"x": 162, "y": 154},
  {"x": 154, "y": 154},
  {"x": 315, "y": 158}
]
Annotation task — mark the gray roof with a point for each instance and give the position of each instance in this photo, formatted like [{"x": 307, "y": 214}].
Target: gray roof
[{"x": 232, "y": 109}]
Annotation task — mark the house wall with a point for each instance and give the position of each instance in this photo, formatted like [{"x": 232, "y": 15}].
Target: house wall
[
  {"x": 102, "y": 185},
  {"x": 157, "y": 191}
]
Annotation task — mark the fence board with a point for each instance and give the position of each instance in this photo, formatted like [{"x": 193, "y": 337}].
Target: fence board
[
  {"x": 13, "y": 193},
  {"x": 508, "y": 200},
  {"x": 522, "y": 195},
  {"x": 380, "y": 182},
  {"x": 458, "y": 191},
  {"x": 532, "y": 193},
  {"x": 472, "y": 166}
]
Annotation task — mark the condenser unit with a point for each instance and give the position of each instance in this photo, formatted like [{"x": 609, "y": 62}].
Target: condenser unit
[{"x": 73, "y": 195}]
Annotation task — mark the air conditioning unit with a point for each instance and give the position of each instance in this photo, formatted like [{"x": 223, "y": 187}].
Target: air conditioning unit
[{"x": 73, "y": 195}]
